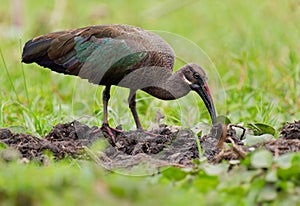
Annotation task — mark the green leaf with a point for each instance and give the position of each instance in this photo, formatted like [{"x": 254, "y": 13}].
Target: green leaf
[
  {"x": 262, "y": 159},
  {"x": 174, "y": 173},
  {"x": 268, "y": 193},
  {"x": 285, "y": 161},
  {"x": 290, "y": 171},
  {"x": 215, "y": 169},
  {"x": 3, "y": 146},
  {"x": 205, "y": 183},
  {"x": 271, "y": 176},
  {"x": 252, "y": 139},
  {"x": 285, "y": 185},
  {"x": 254, "y": 190},
  {"x": 260, "y": 128}
]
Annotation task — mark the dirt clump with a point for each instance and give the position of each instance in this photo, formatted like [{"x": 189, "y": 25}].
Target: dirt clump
[
  {"x": 168, "y": 145},
  {"x": 62, "y": 141},
  {"x": 171, "y": 146},
  {"x": 291, "y": 130}
]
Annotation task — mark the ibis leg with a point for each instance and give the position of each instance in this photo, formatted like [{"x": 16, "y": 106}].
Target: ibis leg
[
  {"x": 105, "y": 99},
  {"x": 132, "y": 106},
  {"x": 105, "y": 126}
]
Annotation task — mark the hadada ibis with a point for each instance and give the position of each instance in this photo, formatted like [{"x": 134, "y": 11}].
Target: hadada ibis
[{"x": 120, "y": 55}]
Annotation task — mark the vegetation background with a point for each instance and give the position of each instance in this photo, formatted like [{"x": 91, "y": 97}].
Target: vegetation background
[{"x": 254, "y": 46}]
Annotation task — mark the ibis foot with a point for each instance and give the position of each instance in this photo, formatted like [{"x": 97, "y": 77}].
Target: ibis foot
[
  {"x": 107, "y": 130},
  {"x": 112, "y": 132}
]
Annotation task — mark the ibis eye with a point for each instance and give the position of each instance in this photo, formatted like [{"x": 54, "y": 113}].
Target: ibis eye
[{"x": 196, "y": 75}]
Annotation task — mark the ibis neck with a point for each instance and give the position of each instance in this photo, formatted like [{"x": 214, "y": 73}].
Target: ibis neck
[{"x": 169, "y": 87}]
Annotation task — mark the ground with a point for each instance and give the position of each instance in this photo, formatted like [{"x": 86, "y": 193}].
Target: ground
[{"x": 172, "y": 146}]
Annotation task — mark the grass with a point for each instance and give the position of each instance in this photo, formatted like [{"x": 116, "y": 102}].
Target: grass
[
  {"x": 246, "y": 51},
  {"x": 254, "y": 47}
]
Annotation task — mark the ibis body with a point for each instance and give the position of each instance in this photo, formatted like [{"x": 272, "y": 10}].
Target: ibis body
[{"x": 121, "y": 55}]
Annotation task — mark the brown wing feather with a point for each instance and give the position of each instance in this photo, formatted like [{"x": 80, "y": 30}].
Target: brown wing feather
[
  {"x": 56, "y": 50},
  {"x": 50, "y": 50}
]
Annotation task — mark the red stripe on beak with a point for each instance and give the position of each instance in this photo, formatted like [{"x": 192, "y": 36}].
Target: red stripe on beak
[{"x": 208, "y": 91}]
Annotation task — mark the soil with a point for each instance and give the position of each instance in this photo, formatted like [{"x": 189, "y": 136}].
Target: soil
[{"x": 169, "y": 146}]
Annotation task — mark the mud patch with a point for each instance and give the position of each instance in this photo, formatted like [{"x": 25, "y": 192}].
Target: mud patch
[
  {"x": 62, "y": 141},
  {"x": 171, "y": 145}
]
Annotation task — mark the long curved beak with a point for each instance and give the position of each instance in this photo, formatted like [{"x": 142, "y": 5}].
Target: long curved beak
[{"x": 204, "y": 93}]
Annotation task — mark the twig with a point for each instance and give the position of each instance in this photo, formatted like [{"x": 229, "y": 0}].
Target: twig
[{"x": 236, "y": 149}]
